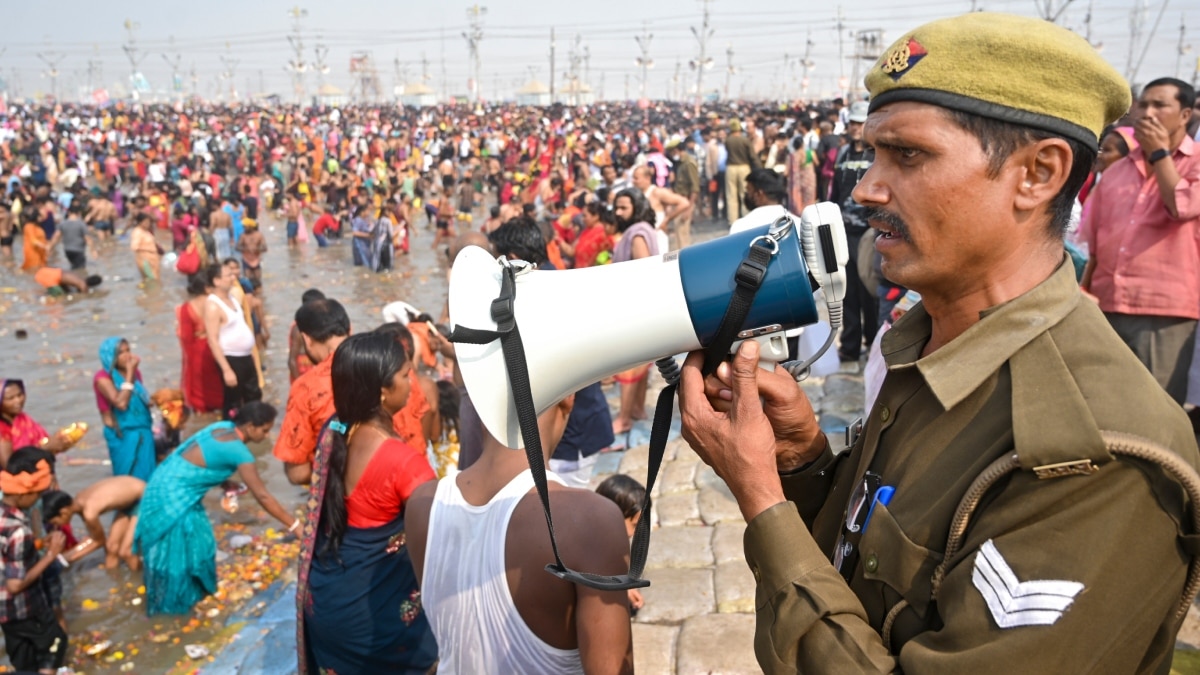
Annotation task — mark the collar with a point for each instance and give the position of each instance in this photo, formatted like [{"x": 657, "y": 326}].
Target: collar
[
  {"x": 11, "y": 511},
  {"x": 1187, "y": 146},
  {"x": 957, "y": 369}
]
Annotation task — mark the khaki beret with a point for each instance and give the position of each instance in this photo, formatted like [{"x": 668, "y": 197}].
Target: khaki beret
[{"x": 1010, "y": 68}]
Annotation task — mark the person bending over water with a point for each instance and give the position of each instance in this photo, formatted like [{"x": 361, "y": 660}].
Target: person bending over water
[
  {"x": 120, "y": 495},
  {"x": 173, "y": 533}
]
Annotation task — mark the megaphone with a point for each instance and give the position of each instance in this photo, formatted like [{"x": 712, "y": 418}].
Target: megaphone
[{"x": 579, "y": 326}]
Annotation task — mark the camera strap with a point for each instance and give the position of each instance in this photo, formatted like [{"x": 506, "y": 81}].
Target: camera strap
[{"x": 748, "y": 279}]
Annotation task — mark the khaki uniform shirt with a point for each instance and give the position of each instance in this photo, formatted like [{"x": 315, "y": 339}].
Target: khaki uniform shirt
[
  {"x": 687, "y": 176},
  {"x": 741, "y": 151},
  {"x": 1041, "y": 375}
]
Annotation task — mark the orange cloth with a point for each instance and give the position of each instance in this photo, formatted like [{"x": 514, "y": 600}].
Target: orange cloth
[
  {"x": 554, "y": 254},
  {"x": 48, "y": 277},
  {"x": 26, "y": 483},
  {"x": 407, "y": 422},
  {"x": 35, "y": 239},
  {"x": 424, "y": 345},
  {"x": 309, "y": 406}
]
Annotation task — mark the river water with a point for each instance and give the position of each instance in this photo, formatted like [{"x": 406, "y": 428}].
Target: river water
[{"x": 59, "y": 357}]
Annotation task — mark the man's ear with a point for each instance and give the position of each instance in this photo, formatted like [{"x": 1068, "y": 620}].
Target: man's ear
[{"x": 1044, "y": 169}]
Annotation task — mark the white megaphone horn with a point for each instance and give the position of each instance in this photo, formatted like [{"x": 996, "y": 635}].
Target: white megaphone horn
[{"x": 579, "y": 326}]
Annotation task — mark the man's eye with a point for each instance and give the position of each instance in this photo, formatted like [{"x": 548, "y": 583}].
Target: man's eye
[{"x": 907, "y": 153}]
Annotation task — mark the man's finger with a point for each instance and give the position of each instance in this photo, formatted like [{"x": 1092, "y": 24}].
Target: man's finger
[
  {"x": 745, "y": 382},
  {"x": 778, "y": 387},
  {"x": 722, "y": 373},
  {"x": 691, "y": 384}
]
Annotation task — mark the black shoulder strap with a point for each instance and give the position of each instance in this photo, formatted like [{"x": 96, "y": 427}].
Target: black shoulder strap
[{"x": 749, "y": 277}]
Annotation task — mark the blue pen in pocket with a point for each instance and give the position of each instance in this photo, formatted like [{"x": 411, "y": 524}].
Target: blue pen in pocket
[{"x": 882, "y": 496}]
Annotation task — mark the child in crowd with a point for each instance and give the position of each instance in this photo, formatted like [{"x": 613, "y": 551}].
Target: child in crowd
[
  {"x": 628, "y": 495},
  {"x": 326, "y": 226},
  {"x": 119, "y": 494},
  {"x": 33, "y": 638}
]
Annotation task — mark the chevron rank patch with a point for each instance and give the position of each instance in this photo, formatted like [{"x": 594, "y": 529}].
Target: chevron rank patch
[{"x": 1013, "y": 602}]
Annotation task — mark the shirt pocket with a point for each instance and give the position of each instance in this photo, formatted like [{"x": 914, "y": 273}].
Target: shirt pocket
[{"x": 889, "y": 557}]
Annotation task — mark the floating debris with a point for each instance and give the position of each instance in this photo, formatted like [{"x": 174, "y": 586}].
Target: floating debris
[
  {"x": 240, "y": 540},
  {"x": 196, "y": 651}
]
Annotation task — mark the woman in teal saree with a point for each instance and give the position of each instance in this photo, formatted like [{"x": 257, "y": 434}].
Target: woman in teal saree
[
  {"x": 174, "y": 535},
  {"x": 124, "y": 406}
]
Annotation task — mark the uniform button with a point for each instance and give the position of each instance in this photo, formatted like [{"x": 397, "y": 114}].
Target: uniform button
[
  {"x": 885, "y": 414},
  {"x": 871, "y": 563}
]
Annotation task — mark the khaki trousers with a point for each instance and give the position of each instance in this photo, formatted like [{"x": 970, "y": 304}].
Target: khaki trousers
[{"x": 735, "y": 189}]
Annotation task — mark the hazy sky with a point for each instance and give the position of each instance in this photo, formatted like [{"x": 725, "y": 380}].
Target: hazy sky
[{"x": 516, "y": 41}]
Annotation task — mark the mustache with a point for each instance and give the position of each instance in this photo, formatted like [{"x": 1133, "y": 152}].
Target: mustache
[{"x": 893, "y": 221}]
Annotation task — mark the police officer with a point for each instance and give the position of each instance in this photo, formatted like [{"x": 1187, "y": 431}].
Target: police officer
[
  {"x": 1019, "y": 498},
  {"x": 861, "y": 306}
]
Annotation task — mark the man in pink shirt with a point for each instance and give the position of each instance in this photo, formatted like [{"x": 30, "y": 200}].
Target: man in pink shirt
[{"x": 1145, "y": 236}]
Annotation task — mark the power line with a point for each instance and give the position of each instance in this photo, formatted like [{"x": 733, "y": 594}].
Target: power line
[
  {"x": 729, "y": 69},
  {"x": 320, "y": 52},
  {"x": 228, "y": 73},
  {"x": 1182, "y": 49},
  {"x": 807, "y": 62},
  {"x": 475, "y": 15},
  {"x": 176, "y": 82},
  {"x": 131, "y": 52},
  {"x": 296, "y": 65},
  {"x": 644, "y": 61},
  {"x": 703, "y": 62},
  {"x": 52, "y": 59},
  {"x": 552, "y": 64}
]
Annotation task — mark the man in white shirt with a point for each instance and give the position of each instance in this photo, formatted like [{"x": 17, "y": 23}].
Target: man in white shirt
[
  {"x": 765, "y": 194},
  {"x": 479, "y": 546}
]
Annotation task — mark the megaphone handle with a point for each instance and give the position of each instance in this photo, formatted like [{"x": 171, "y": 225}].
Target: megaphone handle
[{"x": 772, "y": 349}]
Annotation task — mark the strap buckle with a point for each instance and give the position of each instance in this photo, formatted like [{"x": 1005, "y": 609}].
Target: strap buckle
[
  {"x": 503, "y": 313},
  {"x": 504, "y": 306},
  {"x": 750, "y": 273}
]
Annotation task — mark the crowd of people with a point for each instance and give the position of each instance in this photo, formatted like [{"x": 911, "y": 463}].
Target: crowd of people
[
  {"x": 186, "y": 190},
  {"x": 421, "y": 542}
]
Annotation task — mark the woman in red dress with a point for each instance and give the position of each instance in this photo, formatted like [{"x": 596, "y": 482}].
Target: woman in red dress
[{"x": 202, "y": 385}]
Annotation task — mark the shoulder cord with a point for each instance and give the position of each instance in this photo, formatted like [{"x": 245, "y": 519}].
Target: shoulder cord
[
  {"x": 1117, "y": 443},
  {"x": 748, "y": 277}
]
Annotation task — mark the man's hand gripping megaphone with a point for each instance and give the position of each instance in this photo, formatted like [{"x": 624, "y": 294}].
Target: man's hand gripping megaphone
[{"x": 749, "y": 424}]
